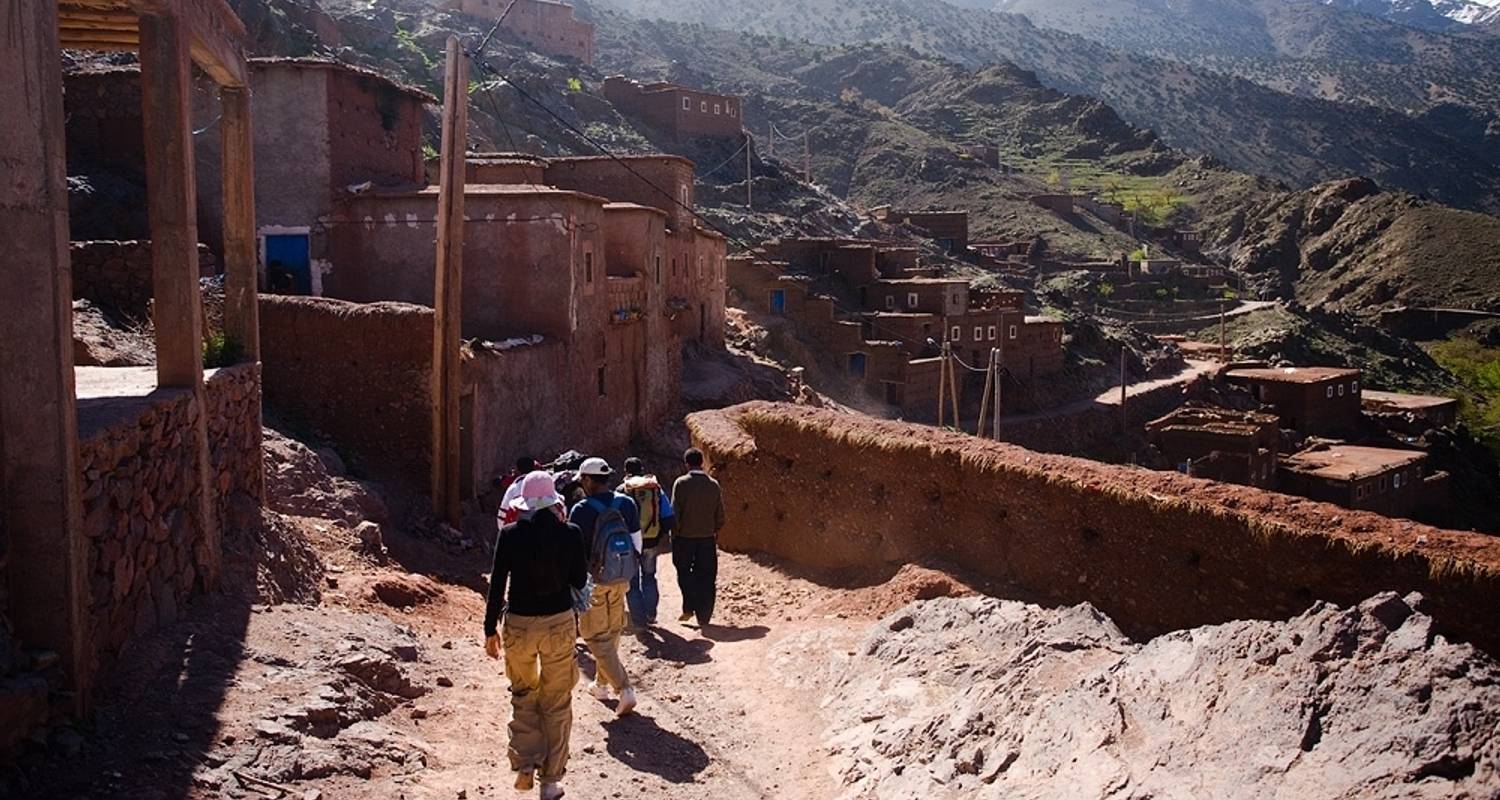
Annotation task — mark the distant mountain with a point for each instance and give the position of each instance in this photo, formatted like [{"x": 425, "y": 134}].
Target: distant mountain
[
  {"x": 1435, "y": 129},
  {"x": 1437, "y": 15}
]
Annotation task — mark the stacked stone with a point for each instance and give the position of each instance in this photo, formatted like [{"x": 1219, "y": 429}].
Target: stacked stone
[
  {"x": 232, "y": 395},
  {"x": 140, "y": 495},
  {"x": 116, "y": 276}
]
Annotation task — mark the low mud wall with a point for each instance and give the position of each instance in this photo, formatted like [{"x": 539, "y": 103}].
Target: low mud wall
[
  {"x": 141, "y": 501},
  {"x": 1156, "y": 551},
  {"x": 356, "y": 374}
]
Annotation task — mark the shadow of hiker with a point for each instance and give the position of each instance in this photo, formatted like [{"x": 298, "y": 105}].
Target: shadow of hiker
[
  {"x": 730, "y": 633},
  {"x": 664, "y": 644},
  {"x": 636, "y": 741}
]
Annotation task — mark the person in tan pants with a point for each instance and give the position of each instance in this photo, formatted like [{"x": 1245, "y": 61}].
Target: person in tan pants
[
  {"x": 541, "y": 559},
  {"x": 604, "y": 622}
]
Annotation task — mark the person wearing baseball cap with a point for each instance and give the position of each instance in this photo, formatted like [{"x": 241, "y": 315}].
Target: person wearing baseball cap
[
  {"x": 611, "y": 526},
  {"x": 540, "y": 558}
]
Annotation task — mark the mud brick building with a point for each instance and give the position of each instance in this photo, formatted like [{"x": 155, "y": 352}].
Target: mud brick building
[
  {"x": 680, "y": 111},
  {"x": 1056, "y": 203},
  {"x": 1317, "y": 401},
  {"x": 1378, "y": 479},
  {"x": 324, "y": 130},
  {"x": 1224, "y": 445},
  {"x": 115, "y": 484},
  {"x": 546, "y": 25},
  {"x": 950, "y": 229},
  {"x": 1439, "y": 412},
  {"x": 891, "y": 325}
]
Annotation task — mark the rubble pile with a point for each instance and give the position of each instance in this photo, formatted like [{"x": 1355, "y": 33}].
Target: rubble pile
[
  {"x": 979, "y": 697},
  {"x": 304, "y": 482}
]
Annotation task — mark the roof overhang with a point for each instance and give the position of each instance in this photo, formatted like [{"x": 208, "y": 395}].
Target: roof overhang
[{"x": 216, "y": 36}]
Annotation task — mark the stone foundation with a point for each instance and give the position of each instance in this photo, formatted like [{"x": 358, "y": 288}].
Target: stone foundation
[
  {"x": 1156, "y": 551},
  {"x": 147, "y": 549},
  {"x": 232, "y": 395}
]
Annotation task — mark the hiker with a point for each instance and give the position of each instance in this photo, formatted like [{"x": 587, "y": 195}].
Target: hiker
[
  {"x": 656, "y": 514},
  {"x": 525, "y": 465},
  {"x": 541, "y": 560},
  {"x": 699, "y": 507},
  {"x": 611, "y": 528}
]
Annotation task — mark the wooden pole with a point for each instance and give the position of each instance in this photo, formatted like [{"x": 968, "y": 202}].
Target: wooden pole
[
  {"x": 771, "y": 139},
  {"x": 1223, "y": 339},
  {"x": 447, "y": 494},
  {"x": 984, "y": 399},
  {"x": 1124, "y": 418},
  {"x": 999, "y": 380},
  {"x": 749, "y": 182},
  {"x": 806, "y": 158},
  {"x": 942, "y": 384},
  {"x": 958, "y": 421},
  {"x": 241, "y": 275}
]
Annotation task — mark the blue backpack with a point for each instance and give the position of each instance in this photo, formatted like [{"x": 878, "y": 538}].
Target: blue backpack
[{"x": 613, "y": 558}]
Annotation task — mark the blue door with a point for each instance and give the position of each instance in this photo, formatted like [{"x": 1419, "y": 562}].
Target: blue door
[
  {"x": 778, "y": 301},
  {"x": 288, "y": 264},
  {"x": 857, "y": 365}
]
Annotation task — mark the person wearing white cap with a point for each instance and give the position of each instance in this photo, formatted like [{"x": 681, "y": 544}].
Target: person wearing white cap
[
  {"x": 541, "y": 559},
  {"x": 611, "y": 526}
]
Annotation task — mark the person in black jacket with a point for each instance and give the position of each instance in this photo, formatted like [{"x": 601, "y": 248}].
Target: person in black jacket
[{"x": 540, "y": 559}]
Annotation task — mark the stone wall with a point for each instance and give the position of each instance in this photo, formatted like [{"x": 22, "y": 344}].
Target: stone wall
[
  {"x": 116, "y": 276},
  {"x": 232, "y": 395},
  {"x": 147, "y": 551},
  {"x": 355, "y": 373},
  {"x": 1155, "y": 551}
]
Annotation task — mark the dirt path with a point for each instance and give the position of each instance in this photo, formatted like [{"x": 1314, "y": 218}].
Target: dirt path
[{"x": 237, "y": 700}]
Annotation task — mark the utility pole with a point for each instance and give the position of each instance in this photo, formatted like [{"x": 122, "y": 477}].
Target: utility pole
[
  {"x": 1223, "y": 340},
  {"x": 995, "y": 355},
  {"x": 943, "y": 381},
  {"x": 958, "y": 421},
  {"x": 984, "y": 399},
  {"x": 749, "y": 146},
  {"x": 1124, "y": 417},
  {"x": 770, "y": 140},
  {"x": 447, "y": 494}
]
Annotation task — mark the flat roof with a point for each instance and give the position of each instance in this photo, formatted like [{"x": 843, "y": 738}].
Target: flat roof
[
  {"x": 485, "y": 190},
  {"x": 638, "y": 157},
  {"x": 1294, "y": 374},
  {"x": 920, "y": 281},
  {"x": 1351, "y": 462},
  {"x": 1409, "y": 401},
  {"x": 304, "y": 62},
  {"x": 1038, "y": 319},
  {"x": 1214, "y": 420},
  {"x": 633, "y": 207}
]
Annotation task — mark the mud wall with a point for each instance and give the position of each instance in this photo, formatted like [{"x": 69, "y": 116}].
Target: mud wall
[
  {"x": 147, "y": 550},
  {"x": 117, "y": 275},
  {"x": 1156, "y": 551},
  {"x": 520, "y": 406},
  {"x": 1091, "y": 429},
  {"x": 355, "y": 373}
]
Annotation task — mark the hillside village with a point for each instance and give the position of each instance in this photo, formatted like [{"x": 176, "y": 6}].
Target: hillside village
[{"x": 976, "y": 362}]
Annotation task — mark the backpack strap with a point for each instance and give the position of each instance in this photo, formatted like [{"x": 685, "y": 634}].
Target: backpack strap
[{"x": 599, "y": 508}]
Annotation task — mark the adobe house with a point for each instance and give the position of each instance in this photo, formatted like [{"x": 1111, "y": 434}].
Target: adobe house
[
  {"x": 1378, "y": 479},
  {"x": 950, "y": 229},
  {"x": 1439, "y": 412},
  {"x": 1316, "y": 401},
  {"x": 325, "y": 129},
  {"x": 1220, "y": 444},
  {"x": 546, "y": 25},
  {"x": 1056, "y": 203},
  {"x": 92, "y": 553},
  {"x": 679, "y": 111}
]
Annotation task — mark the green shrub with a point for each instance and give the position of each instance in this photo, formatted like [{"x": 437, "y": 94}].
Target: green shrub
[{"x": 221, "y": 350}]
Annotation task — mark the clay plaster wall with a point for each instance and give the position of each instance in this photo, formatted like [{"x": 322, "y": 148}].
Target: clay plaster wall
[
  {"x": 358, "y": 374},
  {"x": 520, "y": 406},
  {"x": 1155, "y": 551}
]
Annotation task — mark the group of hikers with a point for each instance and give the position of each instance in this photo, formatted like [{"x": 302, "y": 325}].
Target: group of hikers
[{"x": 576, "y": 558}]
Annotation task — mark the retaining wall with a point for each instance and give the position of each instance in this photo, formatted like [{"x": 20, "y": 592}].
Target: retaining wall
[
  {"x": 232, "y": 395},
  {"x": 117, "y": 275},
  {"x": 147, "y": 550},
  {"x": 357, "y": 374},
  {"x": 1155, "y": 551}
]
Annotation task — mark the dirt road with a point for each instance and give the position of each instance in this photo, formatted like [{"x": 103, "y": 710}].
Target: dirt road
[{"x": 357, "y": 698}]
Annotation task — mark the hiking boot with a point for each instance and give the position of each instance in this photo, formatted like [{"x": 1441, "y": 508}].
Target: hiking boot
[
  {"x": 627, "y": 701},
  {"x": 600, "y": 691},
  {"x": 551, "y": 791},
  {"x": 525, "y": 780},
  {"x": 687, "y": 616},
  {"x": 651, "y": 623}
]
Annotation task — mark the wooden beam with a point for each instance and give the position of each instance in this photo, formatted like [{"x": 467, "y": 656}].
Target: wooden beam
[
  {"x": 100, "y": 40},
  {"x": 241, "y": 273},
  {"x": 40, "y": 493},
  {"x": 447, "y": 495},
  {"x": 166, "y": 91}
]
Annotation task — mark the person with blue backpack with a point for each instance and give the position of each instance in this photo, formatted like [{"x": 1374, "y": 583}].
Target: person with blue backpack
[{"x": 611, "y": 526}]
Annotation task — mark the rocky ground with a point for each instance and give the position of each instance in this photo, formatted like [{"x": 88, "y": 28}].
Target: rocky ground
[{"x": 344, "y": 660}]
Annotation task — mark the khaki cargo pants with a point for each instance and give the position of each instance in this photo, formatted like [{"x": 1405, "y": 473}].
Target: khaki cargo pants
[
  {"x": 542, "y": 669},
  {"x": 601, "y": 627}
]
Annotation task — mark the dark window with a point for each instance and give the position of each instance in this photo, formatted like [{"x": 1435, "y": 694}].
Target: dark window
[
  {"x": 588, "y": 267},
  {"x": 601, "y": 381},
  {"x": 658, "y": 270}
]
